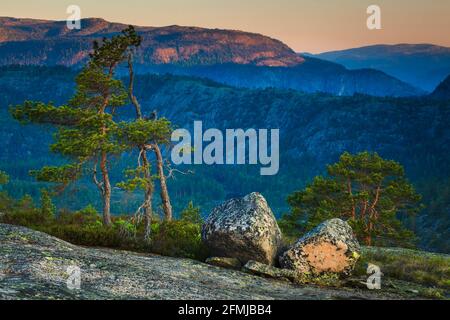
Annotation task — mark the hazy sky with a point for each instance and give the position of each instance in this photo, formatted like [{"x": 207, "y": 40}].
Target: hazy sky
[{"x": 305, "y": 25}]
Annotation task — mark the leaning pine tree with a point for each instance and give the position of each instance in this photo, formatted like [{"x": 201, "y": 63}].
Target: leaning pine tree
[
  {"x": 151, "y": 133},
  {"x": 86, "y": 126}
]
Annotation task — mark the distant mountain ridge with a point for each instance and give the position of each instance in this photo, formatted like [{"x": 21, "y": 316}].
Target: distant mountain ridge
[
  {"x": 172, "y": 44},
  {"x": 231, "y": 57},
  {"x": 421, "y": 65},
  {"x": 312, "y": 76}
]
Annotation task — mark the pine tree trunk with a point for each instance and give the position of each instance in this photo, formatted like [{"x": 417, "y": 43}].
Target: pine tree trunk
[
  {"x": 106, "y": 191},
  {"x": 133, "y": 98},
  {"x": 148, "y": 198},
  {"x": 369, "y": 241},
  {"x": 369, "y": 234},
  {"x": 167, "y": 207},
  {"x": 148, "y": 210}
]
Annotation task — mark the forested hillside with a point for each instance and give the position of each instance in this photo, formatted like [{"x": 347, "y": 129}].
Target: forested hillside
[
  {"x": 315, "y": 129},
  {"x": 442, "y": 91},
  {"x": 421, "y": 65}
]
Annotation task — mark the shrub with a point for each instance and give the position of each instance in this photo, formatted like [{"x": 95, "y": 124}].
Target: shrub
[
  {"x": 4, "y": 178},
  {"x": 48, "y": 209},
  {"x": 86, "y": 216},
  {"x": 125, "y": 227},
  {"x": 192, "y": 214},
  {"x": 95, "y": 236},
  {"x": 5, "y": 202},
  {"x": 24, "y": 213},
  {"x": 178, "y": 239}
]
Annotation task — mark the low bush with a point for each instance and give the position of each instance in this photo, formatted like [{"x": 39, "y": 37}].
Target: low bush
[
  {"x": 180, "y": 238},
  {"x": 420, "y": 267},
  {"x": 24, "y": 213}
]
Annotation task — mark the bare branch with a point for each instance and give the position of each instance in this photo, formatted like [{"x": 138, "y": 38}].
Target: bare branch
[
  {"x": 172, "y": 171},
  {"x": 142, "y": 150},
  {"x": 94, "y": 177}
]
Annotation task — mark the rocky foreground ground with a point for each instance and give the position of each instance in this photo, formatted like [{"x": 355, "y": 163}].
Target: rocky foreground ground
[{"x": 34, "y": 265}]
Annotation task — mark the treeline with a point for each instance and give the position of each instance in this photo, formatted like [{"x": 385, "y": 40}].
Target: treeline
[{"x": 315, "y": 130}]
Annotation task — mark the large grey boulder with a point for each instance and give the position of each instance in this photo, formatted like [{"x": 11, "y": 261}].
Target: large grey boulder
[
  {"x": 245, "y": 229},
  {"x": 329, "y": 248}
]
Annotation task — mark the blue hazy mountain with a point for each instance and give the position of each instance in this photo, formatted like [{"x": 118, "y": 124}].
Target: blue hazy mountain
[
  {"x": 312, "y": 76},
  {"x": 442, "y": 92},
  {"x": 421, "y": 65}
]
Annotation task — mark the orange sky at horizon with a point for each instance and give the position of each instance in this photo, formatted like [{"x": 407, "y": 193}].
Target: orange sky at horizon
[{"x": 305, "y": 25}]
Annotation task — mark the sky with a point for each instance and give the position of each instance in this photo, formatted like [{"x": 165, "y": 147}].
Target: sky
[{"x": 305, "y": 25}]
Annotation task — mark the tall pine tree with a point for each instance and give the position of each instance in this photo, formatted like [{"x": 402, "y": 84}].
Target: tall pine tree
[
  {"x": 152, "y": 143},
  {"x": 86, "y": 125}
]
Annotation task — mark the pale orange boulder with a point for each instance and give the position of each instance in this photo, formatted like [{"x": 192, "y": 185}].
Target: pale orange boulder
[{"x": 330, "y": 248}]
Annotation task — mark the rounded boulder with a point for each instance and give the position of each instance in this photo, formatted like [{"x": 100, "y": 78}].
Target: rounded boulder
[
  {"x": 245, "y": 229},
  {"x": 329, "y": 248}
]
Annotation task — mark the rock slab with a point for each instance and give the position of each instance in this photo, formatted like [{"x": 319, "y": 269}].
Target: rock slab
[
  {"x": 245, "y": 229},
  {"x": 34, "y": 266}
]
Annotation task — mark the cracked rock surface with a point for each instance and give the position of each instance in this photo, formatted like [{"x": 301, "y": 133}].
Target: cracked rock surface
[{"x": 34, "y": 265}]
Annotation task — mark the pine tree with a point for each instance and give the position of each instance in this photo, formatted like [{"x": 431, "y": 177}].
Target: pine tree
[
  {"x": 192, "y": 214},
  {"x": 89, "y": 135},
  {"x": 48, "y": 209},
  {"x": 150, "y": 145},
  {"x": 371, "y": 193},
  {"x": 138, "y": 135},
  {"x": 86, "y": 126}
]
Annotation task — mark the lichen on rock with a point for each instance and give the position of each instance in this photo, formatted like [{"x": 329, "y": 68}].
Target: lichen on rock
[
  {"x": 245, "y": 229},
  {"x": 227, "y": 263},
  {"x": 330, "y": 248},
  {"x": 267, "y": 271}
]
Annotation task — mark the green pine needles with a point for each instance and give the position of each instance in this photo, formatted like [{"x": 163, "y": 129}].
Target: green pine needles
[
  {"x": 371, "y": 193},
  {"x": 88, "y": 130}
]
